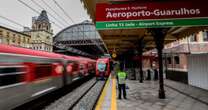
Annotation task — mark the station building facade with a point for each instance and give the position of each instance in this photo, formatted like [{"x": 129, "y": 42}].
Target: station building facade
[
  {"x": 177, "y": 51},
  {"x": 40, "y": 37},
  {"x": 41, "y": 33},
  {"x": 176, "y": 55},
  {"x": 11, "y": 37}
]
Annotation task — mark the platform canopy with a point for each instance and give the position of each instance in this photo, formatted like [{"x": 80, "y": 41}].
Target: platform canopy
[
  {"x": 80, "y": 39},
  {"x": 122, "y": 23}
]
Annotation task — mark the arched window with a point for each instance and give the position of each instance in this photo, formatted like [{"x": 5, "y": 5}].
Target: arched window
[
  {"x": 39, "y": 26},
  {"x": 46, "y": 27}
]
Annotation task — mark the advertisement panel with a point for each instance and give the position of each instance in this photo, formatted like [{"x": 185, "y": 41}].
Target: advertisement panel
[{"x": 151, "y": 15}]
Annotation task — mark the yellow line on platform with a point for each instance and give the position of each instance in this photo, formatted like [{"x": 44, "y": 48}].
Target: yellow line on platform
[
  {"x": 113, "y": 97},
  {"x": 102, "y": 96}
]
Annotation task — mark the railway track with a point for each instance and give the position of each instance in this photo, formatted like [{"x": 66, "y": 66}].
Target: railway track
[
  {"x": 82, "y": 98},
  {"x": 46, "y": 100},
  {"x": 88, "y": 101},
  {"x": 80, "y": 95}
]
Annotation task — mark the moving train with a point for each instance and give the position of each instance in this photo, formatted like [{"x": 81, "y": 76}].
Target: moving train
[
  {"x": 103, "y": 68},
  {"x": 27, "y": 74}
]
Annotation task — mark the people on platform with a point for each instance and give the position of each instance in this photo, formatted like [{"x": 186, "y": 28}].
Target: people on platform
[
  {"x": 148, "y": 75},
  {"x": 152, "y": 74},
  {"x": 121, "y": 79}
]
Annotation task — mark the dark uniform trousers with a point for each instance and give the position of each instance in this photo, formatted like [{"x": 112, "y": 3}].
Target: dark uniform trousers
[{"x": 122, "y": 87}]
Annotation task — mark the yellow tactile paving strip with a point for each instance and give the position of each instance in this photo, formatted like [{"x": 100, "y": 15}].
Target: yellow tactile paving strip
[
  {"x": 113, "y": 97},
  {"x": 103, "y": 95}
]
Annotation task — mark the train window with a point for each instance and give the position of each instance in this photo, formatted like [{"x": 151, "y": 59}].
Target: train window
[
  {"x": 43, "y": 70},
  {"x": 11, "y": 75},
  {"x": 81, "y": 66},
  {"x": 102, "y": 66},
  {"x": 90, "y": 66},
  {"x": 9, "y": 70},
  {"x": 75, "y": 67}
]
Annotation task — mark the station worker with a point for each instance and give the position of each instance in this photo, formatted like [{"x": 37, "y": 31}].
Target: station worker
[{"x": 121, "y": 80}]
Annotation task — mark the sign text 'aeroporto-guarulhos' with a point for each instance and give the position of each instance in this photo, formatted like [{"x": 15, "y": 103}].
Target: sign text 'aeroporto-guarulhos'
[
  {"x": 156, "y": 12},
  {"x": 151, "y": 15}
]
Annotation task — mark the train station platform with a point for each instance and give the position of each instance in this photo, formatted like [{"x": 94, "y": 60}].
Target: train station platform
[{"x": 144, "y": 96}]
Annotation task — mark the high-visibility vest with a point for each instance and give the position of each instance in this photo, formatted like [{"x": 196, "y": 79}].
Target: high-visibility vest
[{"x": 121, "y": 77}]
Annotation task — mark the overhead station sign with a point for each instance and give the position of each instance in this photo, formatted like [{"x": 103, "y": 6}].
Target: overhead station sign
[{"x": 151, "y": 15}]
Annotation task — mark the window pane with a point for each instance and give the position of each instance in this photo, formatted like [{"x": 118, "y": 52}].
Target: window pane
[
  {"x": 43, "y": 70},
  {"x": 193, "y": 38},
  {"x": 176, "y": 59},
  {"x": 205, "y": 36},
  {"x": 9, "y": 75},
  {"x": 80, "y": 28},
  {"x": 169, "y": 60}
]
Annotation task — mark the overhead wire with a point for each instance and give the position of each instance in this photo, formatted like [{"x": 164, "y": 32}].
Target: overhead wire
[
  {"x": 37, "y": 5},
  {"x": 66, "y": 14},
  {"x": 25, "y": 4},
  {"x": 10, "y": 26},
  {"x": 28, "y": 6},
  {"x": 54, "y": 11},
  {"x": 60, "y": 7},
  {"x": 12, "y": 21},
  {"x": 48, "y": 13},
  {"x": 42, "y": 7}
]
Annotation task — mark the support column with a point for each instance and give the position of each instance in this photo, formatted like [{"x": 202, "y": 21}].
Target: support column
[
  {"x": 166, "y": 65},
  {"x": 159, "y": 37},
  {"x": 140, "y": 52},
  {"x": 133, "y": 64}
]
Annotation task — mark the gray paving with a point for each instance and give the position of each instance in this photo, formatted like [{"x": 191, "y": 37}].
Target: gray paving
[
  {"x": 194, "y": 92},
  {"x": 144, "y": 96}
]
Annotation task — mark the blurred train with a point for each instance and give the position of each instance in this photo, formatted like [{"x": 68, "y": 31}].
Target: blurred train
[
  {"x": 103, "y": 68},
  {"x": 27, "y": 74}
]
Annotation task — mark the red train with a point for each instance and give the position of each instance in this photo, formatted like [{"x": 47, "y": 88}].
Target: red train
[
  {"x": 26, "y": 74},
  {"x": 103, "y": 68}
]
